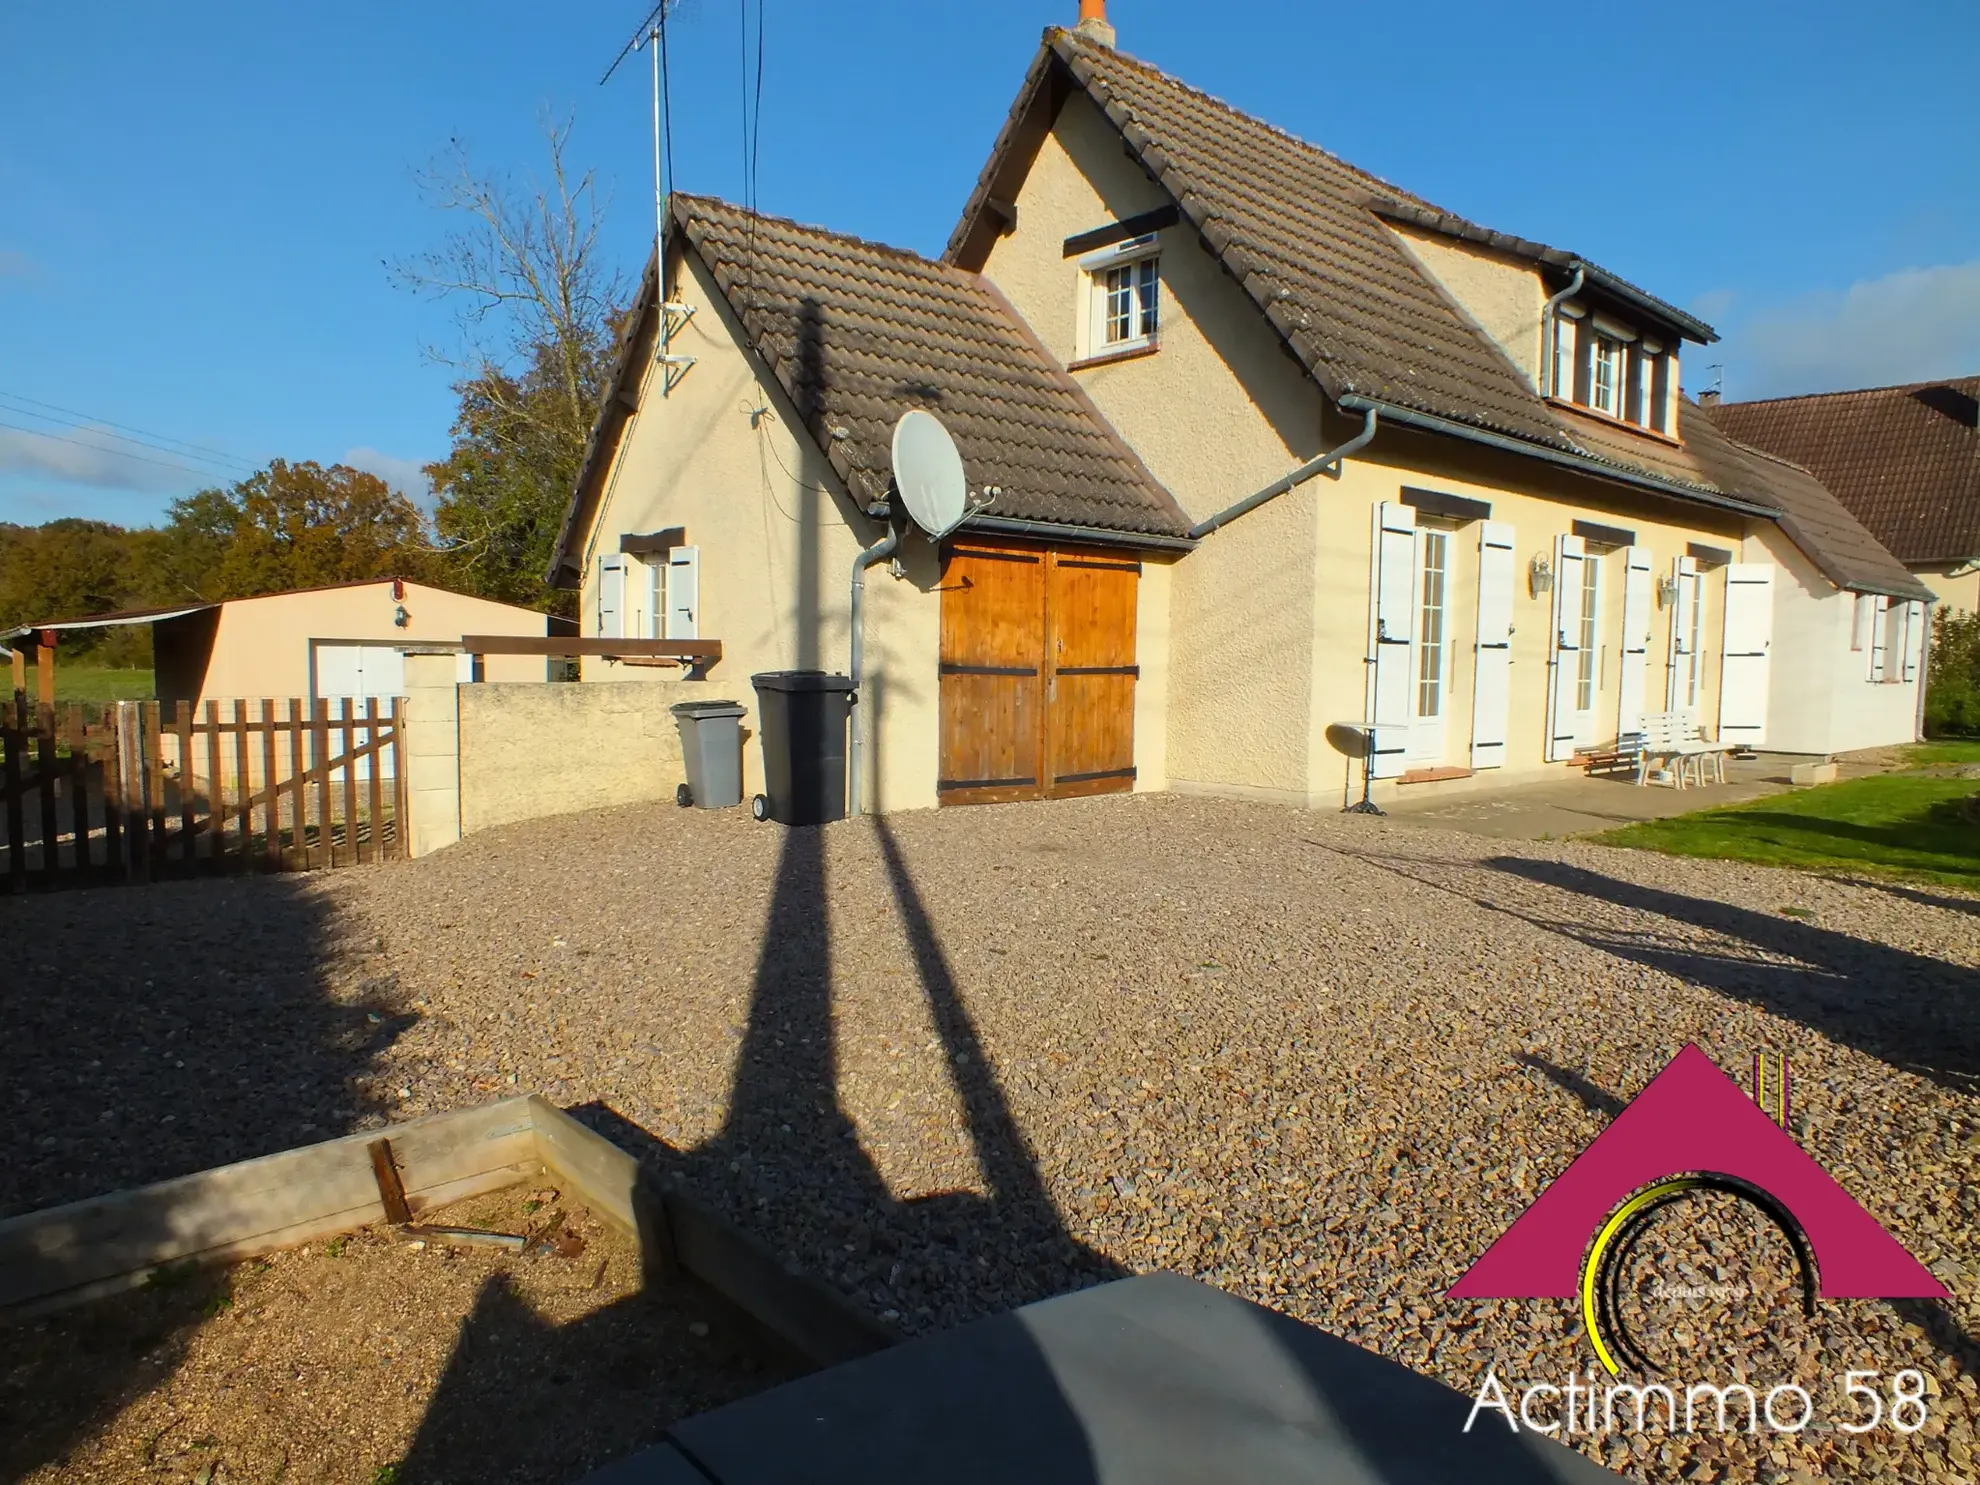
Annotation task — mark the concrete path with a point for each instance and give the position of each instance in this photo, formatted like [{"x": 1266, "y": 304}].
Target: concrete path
[{"x": 1576, "y": 805}]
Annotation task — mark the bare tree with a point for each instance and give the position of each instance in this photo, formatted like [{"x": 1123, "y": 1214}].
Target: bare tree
[{"x": 537, "y": 305}]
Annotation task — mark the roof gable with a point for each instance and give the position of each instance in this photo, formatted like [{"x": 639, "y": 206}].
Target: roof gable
[
  {"x": 857, "y": 333},
  {"x": 1905, "y": 460}
]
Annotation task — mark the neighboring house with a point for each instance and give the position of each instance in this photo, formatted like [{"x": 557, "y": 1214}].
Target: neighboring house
[
  {"x": 1905, "y": 460},
  {"x": 343, "y": 640},
  {"x": 1154, "y": 310}
]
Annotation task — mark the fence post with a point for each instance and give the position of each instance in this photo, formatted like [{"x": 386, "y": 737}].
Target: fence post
[
  {"x": 432, "y": 758},
  {"x": 133, "y": 794}
]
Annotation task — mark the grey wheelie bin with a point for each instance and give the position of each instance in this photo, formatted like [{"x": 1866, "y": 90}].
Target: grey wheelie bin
[
  {"x": 711, "y": 746},
  {"x": 804, "y": 715}
]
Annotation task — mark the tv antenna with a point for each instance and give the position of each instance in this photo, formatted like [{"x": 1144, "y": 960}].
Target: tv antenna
[{"x": 651, "y": 37}]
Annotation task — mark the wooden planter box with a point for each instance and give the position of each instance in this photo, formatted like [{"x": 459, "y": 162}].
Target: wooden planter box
[{"x": 65, "y": 1255}]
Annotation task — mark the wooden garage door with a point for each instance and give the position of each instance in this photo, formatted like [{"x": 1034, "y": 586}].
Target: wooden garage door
[{"x": 1038, "y": 673}]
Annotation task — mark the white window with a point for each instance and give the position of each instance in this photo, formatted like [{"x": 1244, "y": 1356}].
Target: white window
[
  {"x": 1562, "y": 384},
  {"x": 1431, "y": 641},
  {"x": 1591, "y": 614},
  {"x": 1605, "y": 374},
  {"x": 1696, "y": 671},
  {"x": 1645, "y": 407},
  {"x": 1895, "y": 635},
  {"x": 1123, "y": 298},
  {"x": 1861, "y": 619}
]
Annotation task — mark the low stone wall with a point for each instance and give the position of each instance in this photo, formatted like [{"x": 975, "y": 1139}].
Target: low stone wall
[
  {"x": 545, "y": 748},
  {"x": 494, "y": 752}
]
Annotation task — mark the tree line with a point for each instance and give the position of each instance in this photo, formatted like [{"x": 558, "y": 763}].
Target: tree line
[{"x": 538, "y": 310}]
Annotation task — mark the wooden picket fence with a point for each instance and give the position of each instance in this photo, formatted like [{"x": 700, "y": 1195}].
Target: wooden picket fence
[{"x": 165, "y": 789}]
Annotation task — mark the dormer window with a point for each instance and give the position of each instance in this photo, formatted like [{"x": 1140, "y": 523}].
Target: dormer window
[
  {"x": 1606, "y": 367},
  {"x": 1122, "y": 299}
]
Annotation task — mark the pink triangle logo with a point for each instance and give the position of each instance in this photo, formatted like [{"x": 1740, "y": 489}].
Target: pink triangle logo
[{"x": 1692, "y": 1127}]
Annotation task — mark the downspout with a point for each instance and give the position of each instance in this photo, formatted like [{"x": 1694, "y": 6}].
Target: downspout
[
  {"x": 880, "y": 551},
  {"x": 1547, "y": 387},
  {"x": 1299, "y": 476},
  {"x": 1924, "y": 672}
]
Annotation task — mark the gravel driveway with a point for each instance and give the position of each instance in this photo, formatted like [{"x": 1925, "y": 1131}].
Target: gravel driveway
[{"x": 961, "y": 1060}]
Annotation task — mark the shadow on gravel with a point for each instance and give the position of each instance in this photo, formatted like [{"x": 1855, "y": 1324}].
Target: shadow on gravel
[
  {"x": 1924, "y": 899},
  {"x": 1914, "y": 1012},
  {"x": 151, "y": 1033},
  {"x": 1595, "y": 1099}
]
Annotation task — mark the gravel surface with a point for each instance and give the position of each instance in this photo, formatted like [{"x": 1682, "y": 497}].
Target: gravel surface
[{"x": 966, "y": 1059}]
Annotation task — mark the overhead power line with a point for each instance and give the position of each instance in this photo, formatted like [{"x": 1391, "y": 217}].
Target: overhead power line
[
  {"x": 221, "y": 464},
  {"x": 93, "y": 422},
  {"x": 106, "y": 449}
]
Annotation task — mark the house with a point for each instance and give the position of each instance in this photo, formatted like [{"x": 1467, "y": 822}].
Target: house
[
  {"x": 345, "y": 639},
  {"x": 732, "y": 482},
  {"x": 1905, "y": 460},
  {"x": 1261, "y": 444}
]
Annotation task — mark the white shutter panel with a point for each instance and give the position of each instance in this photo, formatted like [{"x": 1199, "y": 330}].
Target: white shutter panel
[
  {"x": 611, "y": 597},
  {"x": 1743, "y": 669},
  {"x": 684, "y": 593},
  {"x": 1492, "y": 686},
  {"x": 1914, "y": 639},
  {"x": 1879, "y": 627},
  {"x": 1635, "y": 639},
  {"x": 1677, "y": 680},
  {"x": 1392, "y": 638},
  {"x": 1564, "y": 649}
]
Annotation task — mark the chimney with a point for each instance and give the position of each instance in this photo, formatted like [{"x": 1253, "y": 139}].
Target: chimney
[
  {"x": 1093, "y": 22},
  {"x": 1709, "y": 397}
]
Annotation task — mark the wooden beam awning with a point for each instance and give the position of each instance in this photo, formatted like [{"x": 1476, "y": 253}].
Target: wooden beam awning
[{"x": 570, "y": 647}]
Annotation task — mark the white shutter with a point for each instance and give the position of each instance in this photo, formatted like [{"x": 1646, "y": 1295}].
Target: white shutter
[
  {"x": 1677, "y": 680},
  {"x": 1879, "y": 628},
  {"x": 683, "y": 593},
  {"x": 1392, "y": 635},
  {"x": 1749, "y": 636},
  {"x": 611, "y": 597},
  {"x": 1564, "y": 648},
  {"x": 1914, "y": 639},
  {"x": 1492, "y": 685},
  {"x": 1635, "y": 639}
]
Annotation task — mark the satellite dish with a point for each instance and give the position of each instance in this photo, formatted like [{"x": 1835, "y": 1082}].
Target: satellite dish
[{"x": 928, "y": 471}]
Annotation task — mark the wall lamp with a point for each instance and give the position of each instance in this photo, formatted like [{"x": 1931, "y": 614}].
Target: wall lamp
[
  {"x": 400, "y": 617},
  {"x": 1539, "y": 576},
  {"x": 1667, "y": 591}
]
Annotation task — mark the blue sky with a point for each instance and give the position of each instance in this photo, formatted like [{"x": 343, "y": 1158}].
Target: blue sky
[{"x": 197, "y": 202}]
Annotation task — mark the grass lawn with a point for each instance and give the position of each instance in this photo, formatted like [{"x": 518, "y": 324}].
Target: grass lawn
[
  {"x": 92, "y": 684},
  {"x": 1948, "y": 750},
  {"x": 1890, "y": 825}
]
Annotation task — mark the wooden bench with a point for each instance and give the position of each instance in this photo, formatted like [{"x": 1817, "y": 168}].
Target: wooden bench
[{"x": 1676, "y": 740}]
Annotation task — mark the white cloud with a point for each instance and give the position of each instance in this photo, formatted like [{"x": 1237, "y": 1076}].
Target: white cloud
[
  {"x": 1908, "y": 326},
  {"x": 407, "y": 476},
  {"x": 86, "y": 457}
]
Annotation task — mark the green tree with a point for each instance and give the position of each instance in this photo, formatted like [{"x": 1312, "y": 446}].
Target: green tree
[
  {"x": 1952, "y": 684},
  {"x": 303, "y": 526},
  {"x": 538, "y": 311}
]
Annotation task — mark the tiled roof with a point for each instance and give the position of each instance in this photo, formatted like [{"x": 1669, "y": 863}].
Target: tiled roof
[
  {"x": 1304, "y": 234},
  {"x": 1905, "y": 460},
  {"x": 1839, "y": 545},
  {"x": 857, "y": 334}
]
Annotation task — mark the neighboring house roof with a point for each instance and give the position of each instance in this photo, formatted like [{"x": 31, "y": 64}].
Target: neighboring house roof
[
  {"x": 1841, "y": 547},
  {"x": 1905, "y": 460},
  {"x": 857, "y": 334},
  {"x": 1304, "y": 234},
  {"x": 117, "y": 618}
]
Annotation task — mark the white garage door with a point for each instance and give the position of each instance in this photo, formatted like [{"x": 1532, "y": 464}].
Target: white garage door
[{"x": 346, "y": 674}]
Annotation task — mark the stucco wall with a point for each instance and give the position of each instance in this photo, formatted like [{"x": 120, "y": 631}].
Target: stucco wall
[
  {"x": 1820, "y": 697},
  {"x": 1503, "y": 294},
  {"x": 1217, "y": 412},
  {"x": 533, "y": 749},
  {"x": 261, "y": 646},
  {"x": 725, "y": 457},
  {"x": 1962, "y": 592}
]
